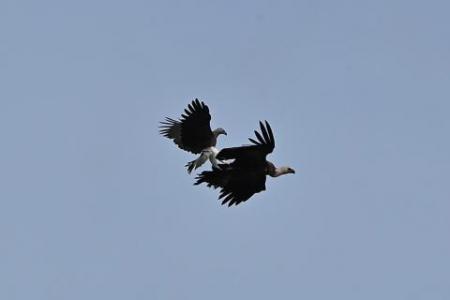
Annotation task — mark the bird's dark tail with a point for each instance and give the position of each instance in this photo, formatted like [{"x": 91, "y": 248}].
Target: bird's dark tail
[{"x": 215, "y": 178}]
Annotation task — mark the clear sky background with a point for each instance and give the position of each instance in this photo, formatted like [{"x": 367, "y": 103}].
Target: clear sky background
[{"x": 94, "y": 204}]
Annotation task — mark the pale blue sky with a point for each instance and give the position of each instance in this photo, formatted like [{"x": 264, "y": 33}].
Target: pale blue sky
[{"x": 94, "y": 204}]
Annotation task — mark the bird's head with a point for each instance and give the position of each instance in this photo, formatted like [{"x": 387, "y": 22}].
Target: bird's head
[
  {"x": 290, "y": 170},
  {"x": 275, "y": 172},
  {"x": 220, "y": 131}
]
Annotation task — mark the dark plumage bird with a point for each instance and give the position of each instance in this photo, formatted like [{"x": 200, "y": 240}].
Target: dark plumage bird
[
  {"x": 246, "y": 175},
  {"x": 192, "y": 132}
]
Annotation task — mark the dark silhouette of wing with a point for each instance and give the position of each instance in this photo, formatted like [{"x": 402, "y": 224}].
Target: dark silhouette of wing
[
  {"x": 246, "y": 175},
  {"x": 251, "y": 155},
  {"x": 237, "y": 185},
  {"x": 192, "y": 132}
]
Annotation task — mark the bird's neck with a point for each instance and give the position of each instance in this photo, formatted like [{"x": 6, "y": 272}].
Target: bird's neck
[{"x": 216, "y": 133}]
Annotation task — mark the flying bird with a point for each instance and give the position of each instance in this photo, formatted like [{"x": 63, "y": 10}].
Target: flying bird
[
  {"x": 192, "y": 133},
  {"x": 246, "y": 174}
]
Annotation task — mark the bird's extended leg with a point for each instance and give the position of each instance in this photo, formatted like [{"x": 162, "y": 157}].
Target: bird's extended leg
[
  {"x": 192, "y": 165},
  {"x": 212, "y": 158}
]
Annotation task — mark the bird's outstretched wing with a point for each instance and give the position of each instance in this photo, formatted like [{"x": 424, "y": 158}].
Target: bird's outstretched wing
[
  {"x": 192, "y": 132},
  {"x": 251, "y": 155}
]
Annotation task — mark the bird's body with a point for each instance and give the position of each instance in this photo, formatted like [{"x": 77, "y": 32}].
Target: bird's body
[
  {"x": 192, "y": 133},
  {"x": 210, "y": 154},
  {"x": 246, "y": 174}
]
